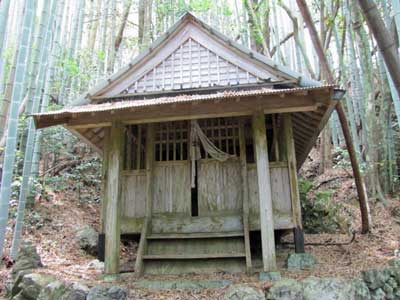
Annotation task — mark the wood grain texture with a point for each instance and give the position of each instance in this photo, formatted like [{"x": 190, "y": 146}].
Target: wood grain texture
[
  {"x": 219, "y": 186},
  {"x": 279, "y": 188},
  {"x": 191, "y": 65},
  {"x": 113, "y": 195},
  {"x": 133, "y": 194},
  {"x": 292, "y": 170},
  {"x": 264, "y": 192},
  {"x": 245, "y": 195},
  {"x": 171, "y": 192}
]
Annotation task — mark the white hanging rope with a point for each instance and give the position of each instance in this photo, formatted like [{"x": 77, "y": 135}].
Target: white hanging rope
[{"x": 197, "y": 134}]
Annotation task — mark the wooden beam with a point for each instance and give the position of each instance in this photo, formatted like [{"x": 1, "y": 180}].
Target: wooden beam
[
  {"x": 102, "y": 124},
  {"x": 264, "y": 192},
  {"x": 113, "y": 195},
  {"x": 292, "y": 168},
  {"x": 245, "y": 195},
  {"x": 86, "y": 140},
  {"x": 185, "y": 110},
  {"x": 315, "y": 134}
]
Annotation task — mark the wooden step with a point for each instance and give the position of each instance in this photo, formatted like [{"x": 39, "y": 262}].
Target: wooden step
[
  {"x": 188, "y": 224},
  {"x": 195, "y": 235},
  {"x": 193, "y": 256}
]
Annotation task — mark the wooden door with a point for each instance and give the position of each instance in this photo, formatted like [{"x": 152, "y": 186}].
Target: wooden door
[
  {"x": 171, "y": 177},
  {"x": 219, "y": 183}
]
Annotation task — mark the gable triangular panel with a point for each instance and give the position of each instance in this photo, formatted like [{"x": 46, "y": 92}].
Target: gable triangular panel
[
  {"x": 190, "y": 56},
  {"x": 192, "y": 66}
]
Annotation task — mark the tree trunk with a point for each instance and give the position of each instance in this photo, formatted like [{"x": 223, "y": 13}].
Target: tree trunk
[
  {"x": 118, "y": 39},
  {"x": 362, "y": 195},
  {"x": 12, "y": 127},
  {"x": 384, "y": 39},
  {"x": 26, "y": 173}
]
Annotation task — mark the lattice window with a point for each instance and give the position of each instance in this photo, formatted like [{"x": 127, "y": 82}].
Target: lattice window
[
  {"x": 171, "y": 141},
  {"x": 135, "y": 147},
  {"x": 223, "y": 132}
]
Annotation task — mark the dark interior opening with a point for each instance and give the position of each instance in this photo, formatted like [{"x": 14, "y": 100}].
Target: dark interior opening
[{"x": 194, "y": 196}]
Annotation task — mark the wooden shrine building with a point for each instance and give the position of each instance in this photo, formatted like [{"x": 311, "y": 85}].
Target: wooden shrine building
[{"x": 201, "y": 141}]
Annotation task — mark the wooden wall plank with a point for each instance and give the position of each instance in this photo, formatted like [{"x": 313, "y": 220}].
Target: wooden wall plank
[
  {"x": 279, "y": 188},
  {"x": 133, "y": 195},
  {"x": 171, "y": 187},
  {"x": 292, "y": 169},
  {"x": 219, "y": 186}
]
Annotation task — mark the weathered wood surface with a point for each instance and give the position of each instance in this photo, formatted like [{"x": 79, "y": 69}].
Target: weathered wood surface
[
  {"x": 104, "y": 172},
  {"x": 280, "y": 190},
  {"x": 195, "y": 110},
  {"x": 210, "y": 247},
  {"x": 177, "y": 267},
  {"x": 292, "y": 170},
  {"x": 191, "y": 65},
  {"x": 219, "y": 186},
  {"x": 133, "y": 194},
  {"x": 171, "y": 184},
  {"x": 181, "y": 223},
  {"x": 245, "y": 195},
  {"x": 194, "y": 235},
  {"x": 113, "y": 200},
  {"x": 142, "y": 249},
  {"x": 149, "y": 169},
  {"x": 186, "y": 51},
  {"x": 149, "y": 203},
  {"x": 187, "y": 224},
  {"x": 264, "y": 192}
]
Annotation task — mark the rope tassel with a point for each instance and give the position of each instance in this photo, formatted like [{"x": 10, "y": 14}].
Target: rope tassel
[{"x": 196, "y": 135}]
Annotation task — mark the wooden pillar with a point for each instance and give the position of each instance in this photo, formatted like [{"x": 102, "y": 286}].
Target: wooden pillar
[
  {"x": 264, "y": 192},
  {"x": 149, "y": 200},
  {"x": 104, "y": 170},
  {"x": 149, "y": 168},
  {"x": 112, "y": 197},
  {"x": 245, "y": 195},
  {"x": 294, "y": 187}
]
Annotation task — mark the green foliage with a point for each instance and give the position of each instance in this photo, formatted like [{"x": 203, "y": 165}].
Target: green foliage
[
  {"x": 199, "y": 5},
  {"x": 70, "y": 165},
  {"x": 71, "y": 67},
  {"x": 226, "y": 10},
  {"x": 319, "y": 213}
]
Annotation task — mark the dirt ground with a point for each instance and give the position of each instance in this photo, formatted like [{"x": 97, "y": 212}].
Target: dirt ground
[{"x": 53, "y": 224}]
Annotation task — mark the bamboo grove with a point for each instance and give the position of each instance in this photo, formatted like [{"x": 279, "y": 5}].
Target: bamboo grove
[{"x": 51, "y": 51}]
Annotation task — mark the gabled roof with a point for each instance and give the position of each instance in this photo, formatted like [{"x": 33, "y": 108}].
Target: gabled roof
[
  {"x": 221, "y": 78},
  {"x": 189, "y": 32}
]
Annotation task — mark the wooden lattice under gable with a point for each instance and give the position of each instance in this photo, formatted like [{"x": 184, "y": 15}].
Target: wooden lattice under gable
[{"x": 192, "y": 65}]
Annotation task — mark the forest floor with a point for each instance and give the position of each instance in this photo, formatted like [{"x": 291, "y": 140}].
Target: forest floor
[{"x": 53, "y": 224}]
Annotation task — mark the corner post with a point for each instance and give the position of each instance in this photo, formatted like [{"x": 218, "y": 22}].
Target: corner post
[
  {"x": 294, "y": 187},
  {"x": 112, "y": 195},
  {"x": 264, "y": 192},
  {"x": 104, "y": 168}
]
